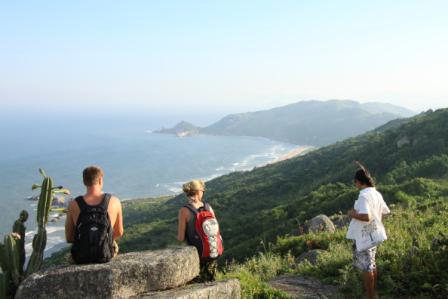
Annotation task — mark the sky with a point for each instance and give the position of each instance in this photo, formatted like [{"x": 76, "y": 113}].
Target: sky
[{"x": 218, "y": 57}]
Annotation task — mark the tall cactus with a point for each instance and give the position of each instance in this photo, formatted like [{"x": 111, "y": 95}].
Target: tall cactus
[
  {"x": 19, "y": 228},
  {"x": 43, "y": 209},
  {"x": 11, "y": 251}
]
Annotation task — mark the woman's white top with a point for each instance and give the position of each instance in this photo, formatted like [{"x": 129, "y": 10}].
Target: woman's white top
[{"x": 369, "y": 202}]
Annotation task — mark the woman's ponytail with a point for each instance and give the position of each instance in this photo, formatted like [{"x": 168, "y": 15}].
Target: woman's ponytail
[{"x": 363, "y": 176}]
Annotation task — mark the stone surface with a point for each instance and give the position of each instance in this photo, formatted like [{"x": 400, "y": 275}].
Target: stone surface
[
  {"x": 340, "y": 221},
  {"x": 125, "y": 276},
  {"x": 304, "y": 287},
  {"x": 321, "y": 223},
  {"x": 220, "y": 290},
  {"x": 310, "y": 256}
]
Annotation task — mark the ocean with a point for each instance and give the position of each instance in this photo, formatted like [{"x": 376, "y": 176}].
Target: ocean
[{"x": 137, "y": 163}]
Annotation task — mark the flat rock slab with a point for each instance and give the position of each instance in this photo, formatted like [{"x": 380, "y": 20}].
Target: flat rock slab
[
  {"x": 219, "y": 289},
  {"x": 125, "y": 276},
  {"x": 304, "y": 287}
]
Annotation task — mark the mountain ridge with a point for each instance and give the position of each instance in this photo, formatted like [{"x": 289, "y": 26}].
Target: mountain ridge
[{"x": 316, "y": 123}]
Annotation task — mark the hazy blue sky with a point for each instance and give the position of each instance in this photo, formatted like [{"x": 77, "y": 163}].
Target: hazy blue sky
[{"x": 221, "y": 55}]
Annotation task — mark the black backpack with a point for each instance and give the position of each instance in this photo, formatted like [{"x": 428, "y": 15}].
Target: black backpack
[{"x": 93, "y": 242}]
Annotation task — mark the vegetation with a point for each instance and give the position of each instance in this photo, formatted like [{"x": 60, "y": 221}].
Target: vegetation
[
  {"x": 12, "y": 251},
  {"x": 255, "y": 272}
]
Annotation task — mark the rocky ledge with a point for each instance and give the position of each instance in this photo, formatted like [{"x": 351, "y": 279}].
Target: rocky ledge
[
  {"x": 219, "y": 290},
  {"x": 128, "y": 275}
]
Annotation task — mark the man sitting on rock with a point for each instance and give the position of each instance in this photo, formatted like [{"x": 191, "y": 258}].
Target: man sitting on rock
[{"x": 94, "y": 221}]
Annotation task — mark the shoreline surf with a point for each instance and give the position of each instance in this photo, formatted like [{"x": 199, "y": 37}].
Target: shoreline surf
[{"x": 56, "y": 230}]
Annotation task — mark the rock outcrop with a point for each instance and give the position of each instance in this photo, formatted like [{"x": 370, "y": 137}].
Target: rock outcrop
[
  {"x": 340, "y": 221},
  {"x": 219, "y": 290},
  {"x": 125, "y": 276},
  {"x": 321, "y": 223},
  {"x": 304, "y": 287}
]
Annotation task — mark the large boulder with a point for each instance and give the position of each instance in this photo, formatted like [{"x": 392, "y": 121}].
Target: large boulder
[
  {"x": 321, "y": 223},
  {"x": 219, "y": 290},
  {"x": 125, "y": 276}
]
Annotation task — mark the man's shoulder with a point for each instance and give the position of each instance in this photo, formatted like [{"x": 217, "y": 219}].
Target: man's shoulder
[
  {"x": 114, "y": 202},
  {"x": 73, "y": 204}
]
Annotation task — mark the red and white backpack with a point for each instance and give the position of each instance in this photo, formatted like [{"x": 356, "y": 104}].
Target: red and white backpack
[{"x": 203, "y": 232}]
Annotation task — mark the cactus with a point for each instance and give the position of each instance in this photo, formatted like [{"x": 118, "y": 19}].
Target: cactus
[
  {"x": 5, "y": 292},
  {"x": 10, "y": 261},
  {"x": 12, "y": 250},
  {"x": 19, "y": 228},
  {"x": 43, "y": 209}
]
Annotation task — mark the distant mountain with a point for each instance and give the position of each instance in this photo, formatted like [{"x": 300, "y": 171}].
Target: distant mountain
[
  {"x": 181, "y": 129},
  {"x": 314, "y": 123},
  {"x": 376, "y": 107}
]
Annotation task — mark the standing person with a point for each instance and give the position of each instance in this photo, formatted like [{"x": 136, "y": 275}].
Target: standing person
[
  {"x": 94, "y": 221},
  {"x": 370, "y": 205},
  {"x": 199, "y": 227}
]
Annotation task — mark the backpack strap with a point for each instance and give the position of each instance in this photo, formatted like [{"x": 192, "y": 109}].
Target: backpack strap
[
  {"x": 81, "y": 203},
  {"x": 105, "y": 202},
  {"x": 83, "y": 206},
  {"x": 191, "y": 208}
]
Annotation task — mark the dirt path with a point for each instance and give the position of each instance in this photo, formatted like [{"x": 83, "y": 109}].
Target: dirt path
[{"x": 304, "y": 287}]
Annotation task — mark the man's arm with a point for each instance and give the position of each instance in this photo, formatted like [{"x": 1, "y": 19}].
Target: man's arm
[
  {"x": 355, "y": 215},
  {"x": 182, "y": 226},
  {"x": 69, "y": 224},
  {"x": 118, "y": 226}
]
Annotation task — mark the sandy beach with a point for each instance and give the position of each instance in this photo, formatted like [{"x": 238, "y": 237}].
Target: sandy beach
[{"x": 301, "y": 150}]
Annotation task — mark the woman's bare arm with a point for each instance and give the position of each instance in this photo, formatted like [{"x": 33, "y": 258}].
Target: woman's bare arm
[{"x": 182, "y": 226}]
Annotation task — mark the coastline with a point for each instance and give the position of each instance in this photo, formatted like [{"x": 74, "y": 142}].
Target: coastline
[
  {"x": 299, "y": 151},
  {"x": 56, "y": 229}
]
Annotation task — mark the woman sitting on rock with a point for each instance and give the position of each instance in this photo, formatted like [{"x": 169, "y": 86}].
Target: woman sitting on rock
[{"x": 199, "y": 227}]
